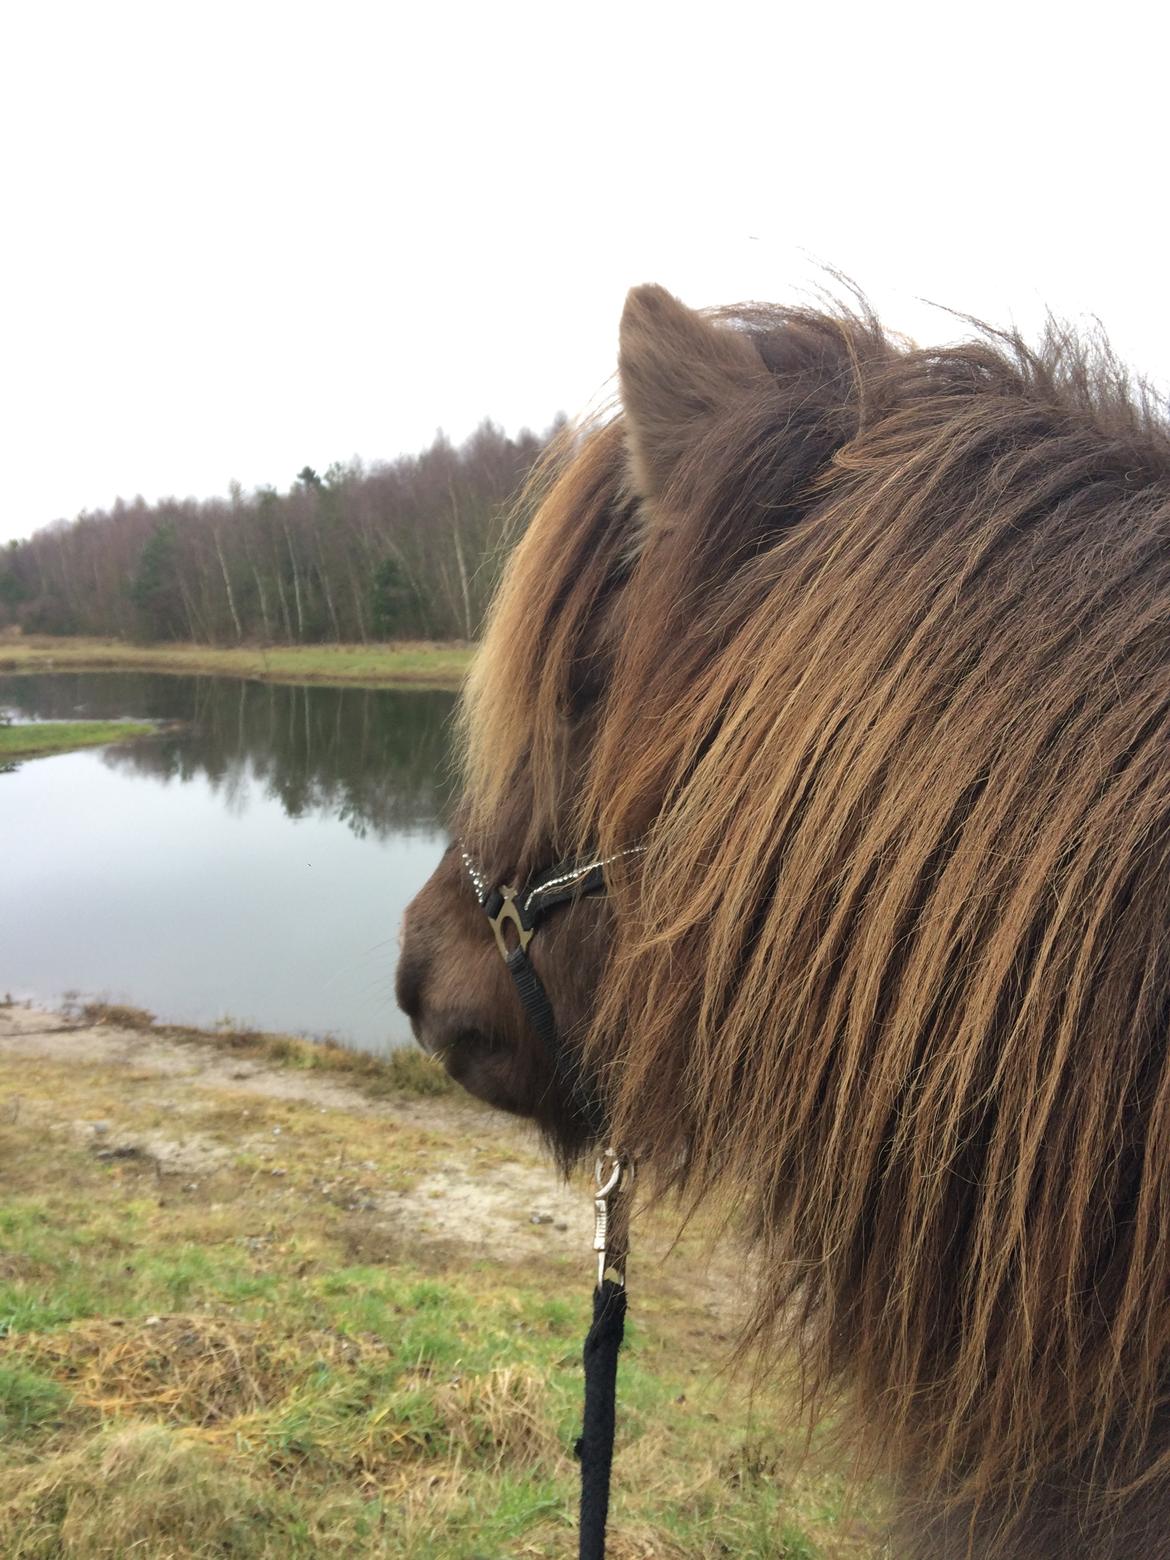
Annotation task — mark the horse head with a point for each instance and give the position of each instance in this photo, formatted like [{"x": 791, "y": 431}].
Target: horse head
[
  {"x": 565, "y": 672},
  {"x": 852, "y": 660}
]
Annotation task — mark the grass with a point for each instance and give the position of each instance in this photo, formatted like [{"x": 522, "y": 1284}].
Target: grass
[
  {"x": 416, "y": 665},
  {"x": 253, "y": 1364},
  {"x": 59, "y": 736},
  {"x": 404, "y": 1070}
]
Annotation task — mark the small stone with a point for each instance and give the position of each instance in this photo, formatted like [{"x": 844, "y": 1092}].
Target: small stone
[
  {"x": 152, "y": 1321},
  {"x": 540, "y": 1218}
]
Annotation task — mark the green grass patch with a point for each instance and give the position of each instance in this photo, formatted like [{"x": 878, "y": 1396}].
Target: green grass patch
[
  {"x": 28, "y": 1402},
  {"x": 39, "y": 739},
  {"x": 415, "y": 665}
]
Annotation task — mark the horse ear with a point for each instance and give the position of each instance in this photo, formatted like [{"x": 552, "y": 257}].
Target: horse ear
[{"x": 678, "y": 372}]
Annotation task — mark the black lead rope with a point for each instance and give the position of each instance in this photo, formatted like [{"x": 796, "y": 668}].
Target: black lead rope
[
  {"x": 524, "y": 910},
  {"x": 595, "y": 1446}
]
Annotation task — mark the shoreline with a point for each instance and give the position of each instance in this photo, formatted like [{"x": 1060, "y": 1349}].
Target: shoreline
[
  {"x": 199, "y": 1098},
  {"x": 404, "y": 1070},
  {"x": 420, "y": 665}
]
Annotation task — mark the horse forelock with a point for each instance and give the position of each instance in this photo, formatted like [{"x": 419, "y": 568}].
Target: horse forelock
[
  {"x": 542, "y": 650},
  {"x": 883, "y": 683}
]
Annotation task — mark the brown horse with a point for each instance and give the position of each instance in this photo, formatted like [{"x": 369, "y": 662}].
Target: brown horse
[{"x": 869, "y": 647}]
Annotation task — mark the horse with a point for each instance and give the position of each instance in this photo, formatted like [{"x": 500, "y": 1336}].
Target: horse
[{"x": 854, "y": 656}]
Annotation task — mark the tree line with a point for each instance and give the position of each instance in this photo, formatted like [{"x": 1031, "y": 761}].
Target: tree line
[{"x": 407, "y": 549}]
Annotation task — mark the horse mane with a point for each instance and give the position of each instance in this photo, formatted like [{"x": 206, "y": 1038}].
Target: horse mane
[{"x": 881, "y": 677}]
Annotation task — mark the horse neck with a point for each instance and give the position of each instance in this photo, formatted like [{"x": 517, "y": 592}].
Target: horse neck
[{"x": 1050, "y": 1527}]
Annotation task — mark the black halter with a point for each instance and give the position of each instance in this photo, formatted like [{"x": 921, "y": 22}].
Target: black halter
[{"x": 524, "y": 909}]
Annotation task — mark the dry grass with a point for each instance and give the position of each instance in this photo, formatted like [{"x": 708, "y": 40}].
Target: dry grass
[
  {"x": 406, "y": 1070},
  {"x": 137, "y": 1490},
  {"x": 117, "y": 1015},
  {"x": 416, "y": 664},
  {"x": 187, "y": 1369}
]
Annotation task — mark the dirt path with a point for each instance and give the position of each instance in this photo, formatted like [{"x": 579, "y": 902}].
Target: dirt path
[
  {"x": 479, "y": 1181},
  {"x": 475, "y": 1198}
]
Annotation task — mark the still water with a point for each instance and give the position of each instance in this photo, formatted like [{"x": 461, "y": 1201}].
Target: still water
[{"x": 250, "y": 861}]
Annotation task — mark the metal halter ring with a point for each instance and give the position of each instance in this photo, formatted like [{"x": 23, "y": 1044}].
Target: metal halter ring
[{"x": 510, "y": 911}]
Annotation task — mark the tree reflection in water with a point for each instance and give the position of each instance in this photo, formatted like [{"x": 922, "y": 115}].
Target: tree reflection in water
[{"x": 376, "y": 758}]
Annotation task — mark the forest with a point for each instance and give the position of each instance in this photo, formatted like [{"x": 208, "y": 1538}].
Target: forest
[{"x": 407, "y": 549}]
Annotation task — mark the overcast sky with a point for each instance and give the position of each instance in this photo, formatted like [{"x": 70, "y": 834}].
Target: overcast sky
[{"x": 242, "y": 237}]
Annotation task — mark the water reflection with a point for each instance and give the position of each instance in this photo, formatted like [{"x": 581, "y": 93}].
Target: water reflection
[
  {"x": 253, "y": 858},
  {"x": 376, "y": 759}
]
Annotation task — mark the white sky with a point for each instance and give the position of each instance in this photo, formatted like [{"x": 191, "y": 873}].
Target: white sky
[{"x": 242, "y": 237}]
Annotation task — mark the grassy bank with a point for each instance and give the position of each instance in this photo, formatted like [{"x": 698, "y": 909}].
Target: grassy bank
[
  {"x": 248, "y": 1345},
  {"x": 370, "y": 666},
  {"x": 59, "y": 736},
  {"x": 407, "y": 1070}
]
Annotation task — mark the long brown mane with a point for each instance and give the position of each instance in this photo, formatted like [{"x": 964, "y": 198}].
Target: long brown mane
[{"x": 880, "y": 672}]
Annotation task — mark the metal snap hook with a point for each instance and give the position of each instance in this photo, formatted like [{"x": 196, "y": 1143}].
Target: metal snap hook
[{"x": 608, "y": 1173}]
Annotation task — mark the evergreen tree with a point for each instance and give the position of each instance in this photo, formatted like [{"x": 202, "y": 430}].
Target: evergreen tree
[{"x": 155, "y": 589}]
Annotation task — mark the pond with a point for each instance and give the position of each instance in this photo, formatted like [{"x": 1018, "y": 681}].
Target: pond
[{"x": 249, "y": 862}]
